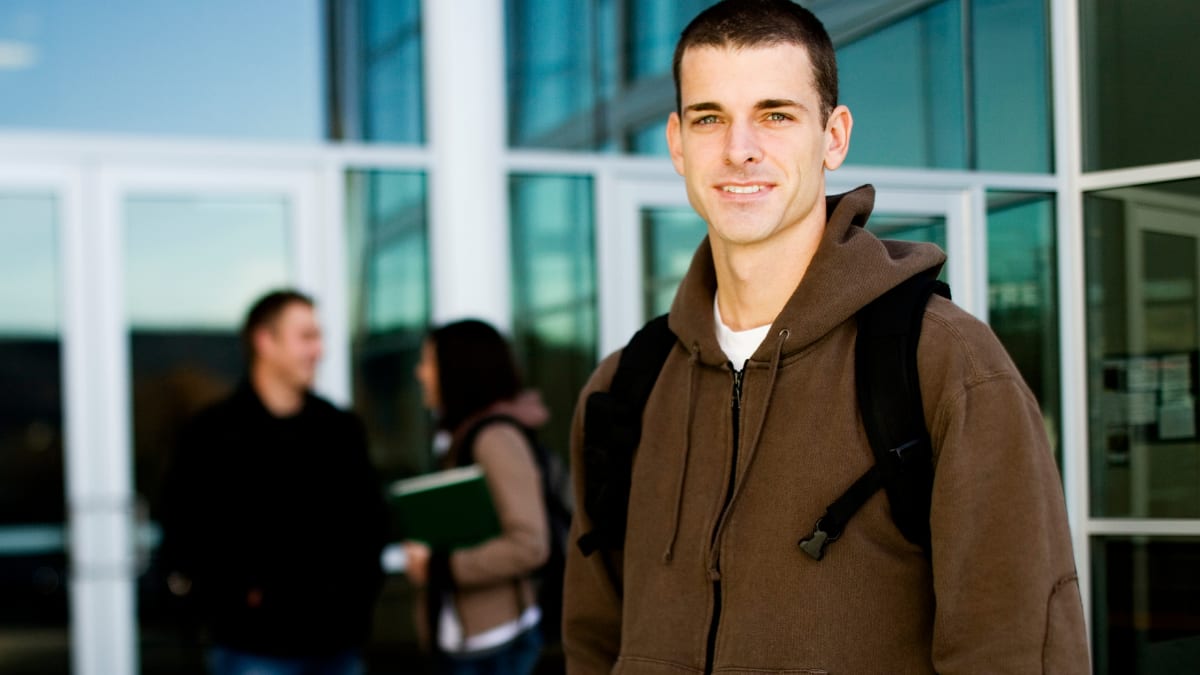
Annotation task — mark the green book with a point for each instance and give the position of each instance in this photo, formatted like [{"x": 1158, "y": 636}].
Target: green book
[{"x": 446, "y": 509}]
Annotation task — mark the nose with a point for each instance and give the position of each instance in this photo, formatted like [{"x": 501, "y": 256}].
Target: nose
[{"x": 742, "y": 146}]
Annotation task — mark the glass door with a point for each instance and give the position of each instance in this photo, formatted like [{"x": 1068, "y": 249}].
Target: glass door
[
  {"x": 190, "y": 251},
  {"x": 34, "y": 580}
]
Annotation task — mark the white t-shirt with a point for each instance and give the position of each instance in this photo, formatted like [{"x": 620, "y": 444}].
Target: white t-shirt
[{"x": 738, "y": 345}]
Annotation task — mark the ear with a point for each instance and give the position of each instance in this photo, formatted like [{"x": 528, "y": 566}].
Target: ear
[
  {"x": 264, "y": 340},
  {"x": 675, "y": 141},
  {"x": 837, "y": 137}
]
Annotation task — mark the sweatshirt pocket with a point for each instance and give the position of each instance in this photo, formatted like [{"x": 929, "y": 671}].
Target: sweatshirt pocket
[{"x": 1065, "y": 647}]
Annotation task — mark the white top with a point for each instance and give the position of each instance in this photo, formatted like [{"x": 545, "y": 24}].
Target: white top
[
  {"x": 738, "y": 345},
  {"x": 450, "y": 637}
]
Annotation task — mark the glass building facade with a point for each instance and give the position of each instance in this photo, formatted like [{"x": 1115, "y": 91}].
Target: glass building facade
[{"x": 160, "y": 166}]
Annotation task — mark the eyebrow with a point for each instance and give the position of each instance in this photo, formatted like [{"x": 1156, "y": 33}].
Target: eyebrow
[{"x": 765, "y": 104}]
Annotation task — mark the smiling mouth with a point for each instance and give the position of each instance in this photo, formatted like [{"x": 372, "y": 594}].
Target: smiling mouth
[{"x": 743, "y": 189}]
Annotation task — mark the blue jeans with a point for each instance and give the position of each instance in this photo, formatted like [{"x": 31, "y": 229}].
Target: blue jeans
[
  {"x": 515, "y": 658},
  {"x": 226, "y": 661}
]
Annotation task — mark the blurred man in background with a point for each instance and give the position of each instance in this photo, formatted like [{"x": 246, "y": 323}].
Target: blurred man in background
[{"x": 273, "y": 517}]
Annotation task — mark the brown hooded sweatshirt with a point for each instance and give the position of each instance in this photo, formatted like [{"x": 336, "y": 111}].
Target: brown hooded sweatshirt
[{"x": 998, "y": 595}]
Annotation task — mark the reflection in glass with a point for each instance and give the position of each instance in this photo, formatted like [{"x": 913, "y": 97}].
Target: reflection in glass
[
  {"x": 1143, "y": 272},
  {"x": 554, "y": 78},
  {"x": 236, "y": 69},
  {"x": 669, "y": 239},
  {"x": 378, "y": 93},
  {"x": 1136, "y": 56},
  {"x": 586, "y": 75},
  {"x": 653, "y": 29},
  {"x": 389, "y": 314},
  {"x": 1023, "y": 294},
  {"x": 554, "y": 290},
  {"x": 924, "y": 93},
  {"x": 904, "y": 86},
  {"x": 1145, "y": 596},
  {"x": 927, "y": 229},
  {"x": 193, "y": 266},
  {"x": 33, "y": 568},
  {"x": 1010, "y": 56}
]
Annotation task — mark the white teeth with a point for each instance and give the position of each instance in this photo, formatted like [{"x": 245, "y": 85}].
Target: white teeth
[{"x": 742, "y": 189}]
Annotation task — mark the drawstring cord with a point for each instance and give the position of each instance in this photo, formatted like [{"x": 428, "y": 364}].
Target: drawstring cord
[{"x": 693, "y": 359}]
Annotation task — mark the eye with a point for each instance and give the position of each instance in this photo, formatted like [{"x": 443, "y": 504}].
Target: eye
[
  {"x": 778, "y": 117},
  {"x": 705, "y": 120}
]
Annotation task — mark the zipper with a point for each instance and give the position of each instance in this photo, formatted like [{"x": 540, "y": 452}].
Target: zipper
[{"x": 736, "y": 409}]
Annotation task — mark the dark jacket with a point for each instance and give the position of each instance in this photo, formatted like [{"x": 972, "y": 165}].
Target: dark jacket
[
  {"x": 1000, "y": 594},
  {"x": 279, "y": 523}
]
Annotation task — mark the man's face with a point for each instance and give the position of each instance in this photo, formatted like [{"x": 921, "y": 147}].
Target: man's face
[
  {"x": 750, "y": 143},
  {"x": 290, "y": 347}
]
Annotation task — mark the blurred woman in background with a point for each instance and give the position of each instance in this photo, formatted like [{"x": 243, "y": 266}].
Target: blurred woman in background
[{"x": 480, "y": 612}]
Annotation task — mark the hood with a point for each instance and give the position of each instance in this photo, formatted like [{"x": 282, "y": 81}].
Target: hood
[{"x": 851, "y": 268}]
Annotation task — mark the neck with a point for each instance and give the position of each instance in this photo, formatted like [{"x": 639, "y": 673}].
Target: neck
[
  {"x": 755, "y": 281},
  {"x": 279, "y": 398}
]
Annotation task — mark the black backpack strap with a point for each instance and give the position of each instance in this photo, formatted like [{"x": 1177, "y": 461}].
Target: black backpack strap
[
  {"x": 889, "y": 400},
  {"x": 612, "y": 430}
]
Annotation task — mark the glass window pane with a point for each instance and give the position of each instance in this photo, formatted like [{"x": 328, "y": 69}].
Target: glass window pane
[
  {"x": 654, "y": 27},
  {"x": 193, "y": 266},
  {"x": 388, "y": 266},
  {"x": 554, "y": 291},
  {"x": 1010, "y": 63},
  {"x": 1023, "y": 294},
  {"x": 1139, "y": 67},
  {"x": 33, "y": 566},
  {"x": 389, "y": 314},
  {"x": 224, "y": 68},
  {"x": 904, "y": 86},
  {"x": 1145, "y": 594},
  {"x": 388, "y": 58},
  {"x": 553, "y": 73},
  {"x": 927, "y": 229},
  {"x": 1143, "y": 274},
  {"x": 669, "y": 239}
]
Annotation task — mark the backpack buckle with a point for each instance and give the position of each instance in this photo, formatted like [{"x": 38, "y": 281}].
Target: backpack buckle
[
  {"x": 899, "y": 450},
  {"x": 814, "y": 545}
]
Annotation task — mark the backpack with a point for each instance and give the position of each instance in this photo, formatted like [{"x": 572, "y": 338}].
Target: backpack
[
  {"x": 549, "y": 577},
  {"x": 889, "y": 401}
]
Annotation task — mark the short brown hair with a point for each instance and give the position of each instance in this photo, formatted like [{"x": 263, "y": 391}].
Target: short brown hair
[
  {"x": 264, "y": 312},
  {"x": 763, "y": 23}
]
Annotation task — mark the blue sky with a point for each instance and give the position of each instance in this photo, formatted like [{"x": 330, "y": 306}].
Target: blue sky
[{"x": 229, "y": 68}]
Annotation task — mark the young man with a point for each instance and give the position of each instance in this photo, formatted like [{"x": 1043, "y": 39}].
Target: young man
[
  {"x": 273, "y": 517},
  {"x": 753, "y": 427}
]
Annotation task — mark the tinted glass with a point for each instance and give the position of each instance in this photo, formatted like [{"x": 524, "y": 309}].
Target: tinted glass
[
  {"x": 1011, "y": 85},
  {"x": 378, "y": 92},
  {"x": 389, "y": 314},
  {"x": 554, "y": 290},
  {"x": 1139, "y": 67},
  {"x": 591, "y": 75},
  {"x": 653, "y": 29},
  {"x": 1023, "y": 293},
  {"x": 927, "y": 229},
  {"x": 1143, "y": 274},
  {"x": 33, "y": 568},
  {"x": 193, "y": 266},
  {"x": 554, "y": 78},
  {"x": 1145, "y": 595},
  {"x": 222, "y": 68},
  {"x": 904, "y": 86},
  {"x": 669, "y": 239}
]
